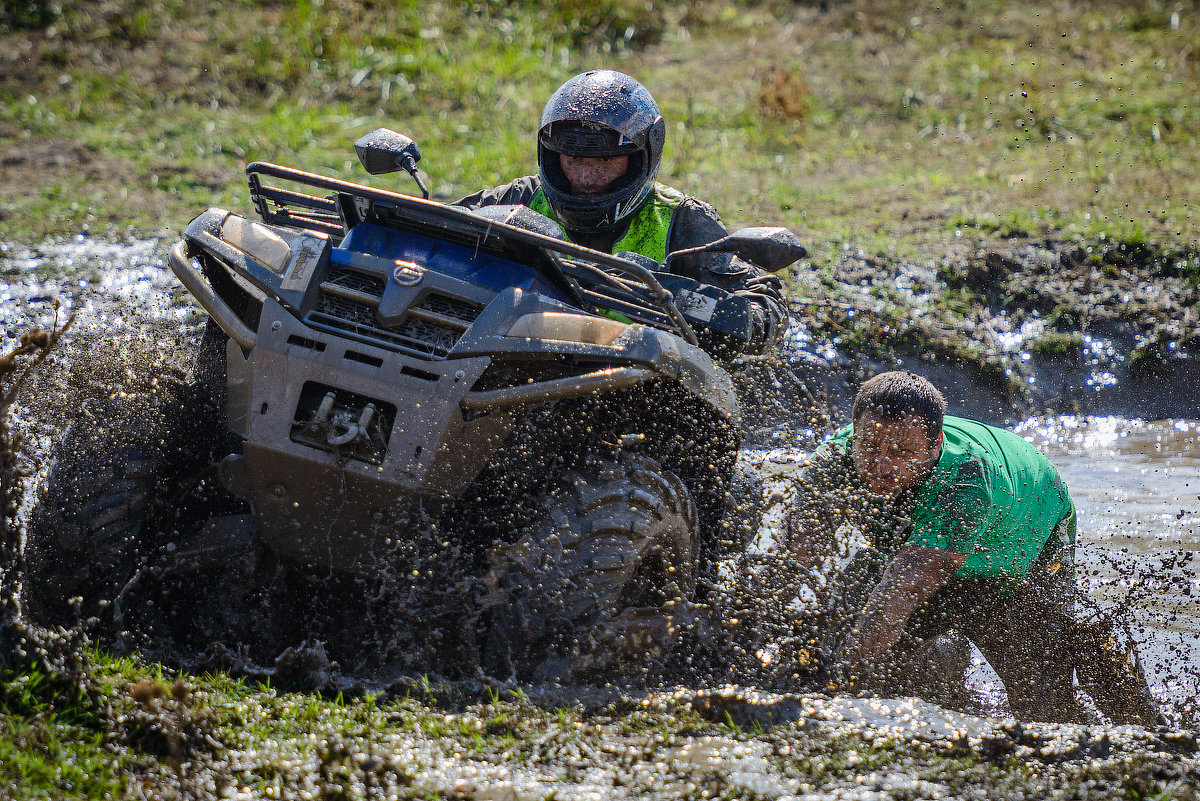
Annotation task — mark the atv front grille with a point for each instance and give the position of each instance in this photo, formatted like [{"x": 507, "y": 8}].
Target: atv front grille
[
  {"x": 351, "y": 312},
  {"x": 438, "y": 339},
  {"x": 359, "y": 282},
  {"x": 452, "y": 308},
  {"x": 349, "y": 303}
]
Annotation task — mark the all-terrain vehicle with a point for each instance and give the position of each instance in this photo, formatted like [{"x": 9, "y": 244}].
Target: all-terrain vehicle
[{"x": 382, "y": 370}]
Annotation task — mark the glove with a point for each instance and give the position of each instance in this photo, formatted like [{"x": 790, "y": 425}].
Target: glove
[{"x": 759, "y": 329}]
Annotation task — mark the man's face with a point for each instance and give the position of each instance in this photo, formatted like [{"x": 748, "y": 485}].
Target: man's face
[
  {"x": 589, "y": 177},
  {"x": 893, "y": 455}
]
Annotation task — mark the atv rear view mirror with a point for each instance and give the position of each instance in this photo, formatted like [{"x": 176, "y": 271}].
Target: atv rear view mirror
[
  {"x": 383, "y": 151},
  {"x": 769, "y": 247}
]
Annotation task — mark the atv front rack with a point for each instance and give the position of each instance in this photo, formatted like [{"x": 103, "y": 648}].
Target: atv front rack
[{"x": 596, "y": 281}]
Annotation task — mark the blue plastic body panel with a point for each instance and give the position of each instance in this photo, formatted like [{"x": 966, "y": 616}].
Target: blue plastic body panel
[{"x": 479, "y": 268}]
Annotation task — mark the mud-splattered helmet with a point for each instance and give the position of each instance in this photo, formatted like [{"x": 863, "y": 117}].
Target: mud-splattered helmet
[{"x": 593, "y": 115}]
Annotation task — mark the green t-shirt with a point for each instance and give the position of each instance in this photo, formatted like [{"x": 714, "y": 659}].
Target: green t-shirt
[{"x": 992, "y": 496}]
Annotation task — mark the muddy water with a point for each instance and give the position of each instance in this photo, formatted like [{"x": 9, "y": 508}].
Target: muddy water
[
  {"x": 1136, "y": 483},
  {"x": 106, "y": 284},
  {"x": 1137, "y": 488}
]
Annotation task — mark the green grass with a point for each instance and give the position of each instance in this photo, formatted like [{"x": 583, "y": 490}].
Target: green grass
[
  {"x": 887, "y": 125},
  {"x": 54, "y": 759},
  {"x": 1056, "y": 344},
  {"x": 103, "y": 731},
  {"x": 53, "y": 734}
]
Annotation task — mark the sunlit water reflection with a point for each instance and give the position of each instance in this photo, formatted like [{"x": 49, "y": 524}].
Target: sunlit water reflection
[
  {"x": 106, "y": 285},
  {"x": 1136, "y": 486}
]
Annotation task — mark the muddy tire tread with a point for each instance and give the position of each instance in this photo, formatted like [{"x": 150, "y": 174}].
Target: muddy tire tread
[
  {"x": 599, "y": 553},
  {"x": 85, "y": 534}
]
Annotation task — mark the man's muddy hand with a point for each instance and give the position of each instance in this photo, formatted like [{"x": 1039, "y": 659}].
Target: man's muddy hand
[
  {"x": 837, "y": 678},
  {"x": 874, "y": 632}
]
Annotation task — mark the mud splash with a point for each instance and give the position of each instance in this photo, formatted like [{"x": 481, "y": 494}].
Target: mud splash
[
  {"x": 131, "y": 339},
  {"x": 118, "y": 293}
]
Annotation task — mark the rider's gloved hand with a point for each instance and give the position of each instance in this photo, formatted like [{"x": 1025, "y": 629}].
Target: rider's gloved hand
[
  {"x": 759, "y": 329},
  {"x": 738, "y": 325}
]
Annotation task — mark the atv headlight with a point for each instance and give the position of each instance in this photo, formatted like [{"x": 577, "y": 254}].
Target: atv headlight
[
  {"x": 258, "y": 242},
  {"x": 564, "y": 327}
]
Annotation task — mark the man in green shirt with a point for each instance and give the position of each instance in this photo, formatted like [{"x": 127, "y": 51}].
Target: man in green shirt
[{"x": 972, "y": 530}]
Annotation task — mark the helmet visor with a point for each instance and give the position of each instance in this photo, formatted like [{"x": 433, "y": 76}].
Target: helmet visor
[{"x": 587, "y": 140}]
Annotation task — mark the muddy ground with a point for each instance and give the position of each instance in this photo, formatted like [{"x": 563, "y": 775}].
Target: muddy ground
[
  {"x": 1121, "y": 313},
  {"x": 1007, "y": 328}
]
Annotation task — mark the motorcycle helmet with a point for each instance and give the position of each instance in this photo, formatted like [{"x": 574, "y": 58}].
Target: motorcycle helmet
[{"x": 593, "y": 115}]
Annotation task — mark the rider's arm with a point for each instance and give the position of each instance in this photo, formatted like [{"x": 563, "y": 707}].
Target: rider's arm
[
  {"x": 697, "y": 223},
  {"x": 517, "y": 193},
  {"x": 765, "y": 291}
]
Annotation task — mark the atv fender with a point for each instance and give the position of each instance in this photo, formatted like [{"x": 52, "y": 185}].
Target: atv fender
[{"x": 665, "y": 354}]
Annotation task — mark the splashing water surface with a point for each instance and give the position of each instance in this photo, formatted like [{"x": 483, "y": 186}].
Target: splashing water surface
[{"x": 1136, "y": 483}]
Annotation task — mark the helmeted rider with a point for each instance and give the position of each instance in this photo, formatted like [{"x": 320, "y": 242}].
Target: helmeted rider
[{"x": 600, "y": 143}]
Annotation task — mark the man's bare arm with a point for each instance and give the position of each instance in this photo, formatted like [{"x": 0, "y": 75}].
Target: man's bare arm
[{"x": 912, "y": 577}]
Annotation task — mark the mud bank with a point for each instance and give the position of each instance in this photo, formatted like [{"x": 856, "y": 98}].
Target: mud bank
[
  {"x": 188, "y": 737},
  {"x": 1008, "y": 328}
]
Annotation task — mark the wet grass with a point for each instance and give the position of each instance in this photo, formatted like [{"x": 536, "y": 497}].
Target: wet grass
[
  {"x": 117, "y": 728},
  {"x": 53, "y": 739},
  {"x": 889, "y": 126},
  {"x": 1056, "y": 344},
  {"x": 52, "y": 759}
]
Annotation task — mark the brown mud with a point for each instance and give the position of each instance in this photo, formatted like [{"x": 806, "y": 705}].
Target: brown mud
[
  {"x": 1007, "y": 328},
  {"x": 832, "y": 351}
]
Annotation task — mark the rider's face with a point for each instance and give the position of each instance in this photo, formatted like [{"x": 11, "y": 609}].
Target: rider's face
[
  {"x": 893, "y": 455},
  {"x": 592, "y": 176}
]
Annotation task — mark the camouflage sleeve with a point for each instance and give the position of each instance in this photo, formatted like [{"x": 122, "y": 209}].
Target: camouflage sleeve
[
  {"x": 697, "y": 223},
  {"x": 517, "y": 193}
]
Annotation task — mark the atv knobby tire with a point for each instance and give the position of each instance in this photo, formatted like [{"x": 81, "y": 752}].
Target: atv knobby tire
[
  {"x": 601, "y": 585},
  {"x": 130, "y": 473},
  {"x": 85, "y": 538}
]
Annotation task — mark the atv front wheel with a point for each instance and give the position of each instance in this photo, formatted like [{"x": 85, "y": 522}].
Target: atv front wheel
[
  {"x": 85, "y": 538},
  {"x": 134, "y": 471},
  {"x": 602, "y": 583}
]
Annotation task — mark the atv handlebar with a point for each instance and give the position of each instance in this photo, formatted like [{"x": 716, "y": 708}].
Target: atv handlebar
[{"x": 300, "y": 210}]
